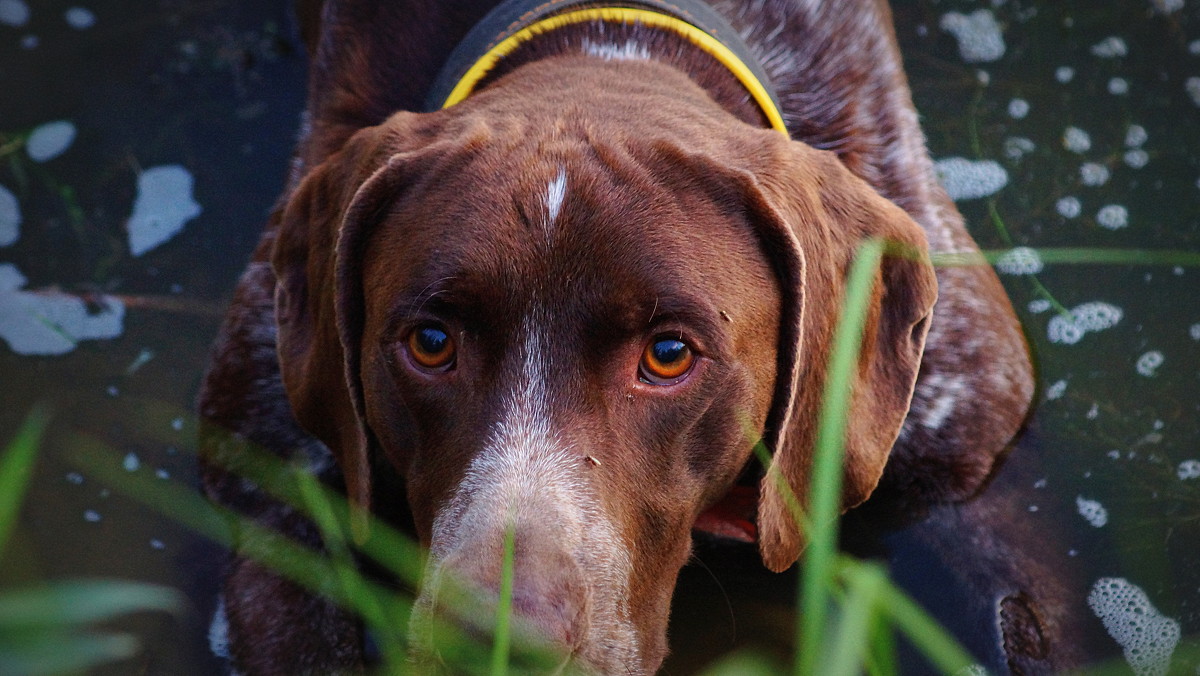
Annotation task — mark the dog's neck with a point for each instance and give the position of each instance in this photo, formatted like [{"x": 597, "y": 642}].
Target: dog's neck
[{"x": 697, "y": 45}]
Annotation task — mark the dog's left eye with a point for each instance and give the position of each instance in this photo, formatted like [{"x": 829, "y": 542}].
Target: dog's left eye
[
  {"x": 665, "y": 361},
  {"x": 431, "y": 348}
]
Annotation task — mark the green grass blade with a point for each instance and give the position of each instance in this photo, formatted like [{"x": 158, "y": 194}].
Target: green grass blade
[
  {"x": 825, "y": 500},
  {"x": 852, "y": 636},
  {"x": 743, "y": 664},
  {"x": 502, "y": 637},
  {"x": 16, "y": 467},
  {"x": 61, "y": 653},
  {"x": 925, "y": 633},
  {"x": 81, "y": 601},
  {"x": 1075, "y": 255}
]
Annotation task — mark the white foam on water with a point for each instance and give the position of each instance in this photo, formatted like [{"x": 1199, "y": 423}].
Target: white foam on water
[
  {"x": 50, "y": 322},
  {"x": 14, "y": 12},
  {"x": 1069, "y": 207},
  {"x": 131, "y": 462},
  {"x": 1148, "y": 363},
  {"x": 1038, "y": 305},
  {"x": 1188, "y": 469},
  {"x": 164, "y": 204},
  {"x": 1093, "y": 174},
  {"x": 1147, "y": 637},
  {"x": 1135, "y": 136},
  {"x": 1137, "y": 158},
  {"x": 80, "y": 18},
  {"x": 1194, "y": 48},
  {"x": 1018, "y": 109},
  {"x": 49, "y": 140},
  {"x": 1076, "y": 140},
  {"x": 1167, "y": 6},
  {"x": 1084, "y": 319},
  {"x": 1194, "y": 331},
  {"x": 10, "y": 217},
  {"x": 1064, "y": 74},
  {"x": 91, "y": 515},
  {"x": 1092, "y": 511},
  {"x": 966, "y": 179},
  {"x": 1056, "y": 390},
  {"x": 1016, "y": 147},
  {"x": 1192, "y": 87},
  {"x": 1110, "y": 48},
  {"x": 1021, "y": 260},
  {"x": 1113, "y": 217},
  {"x": 978, "y": 34},
  {"x": 1118, "y": 86}
]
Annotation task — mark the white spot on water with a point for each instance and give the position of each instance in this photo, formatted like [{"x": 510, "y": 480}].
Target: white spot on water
[
  {"x": 1147, "y": 364},
  {"x": 1147, "y": 637},
  {"x": 1020, "y": 261},
  {"x": 1113, "y": 217},
  {"x": 1085, "y": 318},
  {"x": 131, "y": 462},
  {"x": 1192, "y": 87},
  {"x": 50, "y": 322},
  {"x": 1137, "y": 158},
  {"x": 91, "y": 516},
  {"x": 1018, "y": 109},
  {"x": 1093, "y": 174},
  {"x": 164, "y": 203},
  {"x": 978, "y": 35},
  {"x": 74, "y": 478},
  {"x": 1188, "y": 469},
  {"x": 1194, "y": 48},
  {"x": 1093, "y": 412},
  {"x": 177, "y": 424},
  {"x": 1110, "y": 48},
  {"x": 1033, "y": 508},
  {"x": 1064, "y": 74},
  {"x": 1114, "y": 454},
  {"x": 1092, "y": 511},
  {"x": 1167, "y": 6},
  {"x": 983, "y": 77},
  {"x": 162, "y": 474},
  {"x": 967, "y": 179},
  {"x": 157, "y": 544},
  {"x": 49, "y": 140},
  {"x": 14, "y": 12},
  {"x": 30, "y": 42},
  {"x": 10, "y": 217},
  {"x": 1056, "y": 390},
  {"x": 1135, "y": 136},
  {"x": 1194, "y": 331},
  {"x": 1017, "y": 147},
  {"x": 1076, "y": 140},
  {"x": 1118, "y": 86},
  {"x": 1069, "y": 207},
  {"x": 1038, "y": 305},
  {"x": 80, "y": 18}
]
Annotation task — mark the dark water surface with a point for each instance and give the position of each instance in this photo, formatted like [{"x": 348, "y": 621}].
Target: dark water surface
[{"x": 1081, "y": 127}]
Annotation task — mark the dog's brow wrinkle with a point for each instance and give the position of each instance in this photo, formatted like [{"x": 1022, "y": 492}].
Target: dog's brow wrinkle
[
  {"x": 424, "y": 297},
  {"x": 556, "y": 192}
]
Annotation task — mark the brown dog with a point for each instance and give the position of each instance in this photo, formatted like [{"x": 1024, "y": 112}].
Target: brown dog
[{"x": 573, "y": 301}]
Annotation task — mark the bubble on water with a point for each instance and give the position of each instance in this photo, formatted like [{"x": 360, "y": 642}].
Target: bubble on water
[
  {"x": 162, "y": 473},
  {"x": 1092, "y": 511},
  {"x": 1188, "y": 469},
  {"x": 1038, "y": 305},
  {"x": 1113, "y": 217},
  {"x": 177, "y": 424},
  {"x": 30, "y": 42},
  {"x": 1110, "y": 48},
  {"x": 91, "y": 515},
  {"x": 1167, "y": 6},
  {"x": 164, "y": 204},
  {"x": 74, "y": 478},
  {"x": 80, "y": 18},
  {"x": 1137, "y": 158},
  {"x": 131, "y": 462},
  {"x": 1135, "y": 136},
  {"x": 49, "y": 140},
  {"x": 972, "y": 670},
  {"x": 1076, "y": 140},
  {"x": 1148, "y": 363},
  {"x": 1033, "y": 508},
  {"x": 1056, "y": 390},
  {"x": 1084, "y": 319},
  {"x": 1147, "y": 637},
  {"x": 1093, "y": 412},
  {"x": 983, "y": 77},
  {"x": 157, "y": 544},
  {"x": 970, "y": 179},
  {"x": 1069, "y": 207},
  {"x": 1016, "y": 147},
  {"x": 1018, "y": 109},
  {"x": 1064, "y": 74},
  {"x": 1093, "y": 174},
  {"x": 1114, "y": 454},
  {"x": 978, "y": 35},
  {"x": 1118, "y": 86},
  {"x": 1194, "y": 47},
  {"x": 1192, "y": 87},
  {"x": 1194, "y": 331},
  {"x": 10, "y": 217},
  {"x": 14, "y": 12},
  {"x": 51, "y": 322},
  {"x": 1040, "y": 483},
  {"x": 1021, "y": 260}
]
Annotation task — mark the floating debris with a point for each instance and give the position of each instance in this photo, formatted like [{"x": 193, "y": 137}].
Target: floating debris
[
  {"x": 1113, "y": 217},
  {"x": 80, "y": 18},
  {"x": 1188, "y": 469},
  {"x": 1021, "y": 260},
  {"x": 1147, "y": 637},
  {"x": 1076, "y": 140},
  {"x": 1110, "y": 48},
  {"x": 14, "y": 12},
  {"x": 1093, "y": 174},
  {"x": 1018, "y": 109},
  {"x": 970, "y": 179},
  {"x": 10, "y": 217},
  {"x": 1148, "y": 363},
  {"x": 978, "y": 35},
  {"x": 49, "y": 140},
  {"x": 164, "y": 204},
  {"x": 51, "y": 322},
  {"x": 1084, "y": 319},
  {"x": 1069, "y": 207},
  {"x": 1092, "y": 511}
]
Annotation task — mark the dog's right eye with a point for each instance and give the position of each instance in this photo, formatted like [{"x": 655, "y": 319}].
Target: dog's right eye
[{"x": 431, "y": 348}]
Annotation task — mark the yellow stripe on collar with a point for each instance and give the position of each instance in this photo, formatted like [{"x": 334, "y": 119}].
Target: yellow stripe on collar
[{"x": 625, "y": 15}]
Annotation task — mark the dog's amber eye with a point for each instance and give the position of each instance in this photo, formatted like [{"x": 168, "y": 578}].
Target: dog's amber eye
[
  {"x": 666, "y": 360},
  {"x": 431, "y": 347}
]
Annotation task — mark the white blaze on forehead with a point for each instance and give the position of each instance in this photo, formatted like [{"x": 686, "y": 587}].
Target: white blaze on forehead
[{"x": 556, "y": 192}]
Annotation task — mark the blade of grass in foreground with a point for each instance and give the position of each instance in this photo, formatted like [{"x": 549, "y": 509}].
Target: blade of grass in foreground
[
  {"x": 16, "y": 467},
  {"x": 501, "y": 643},
  {"x": 817, "y": 576}
]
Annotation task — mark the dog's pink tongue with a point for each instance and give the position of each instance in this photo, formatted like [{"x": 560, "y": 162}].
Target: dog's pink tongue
[{"x": 732, "y": 516}]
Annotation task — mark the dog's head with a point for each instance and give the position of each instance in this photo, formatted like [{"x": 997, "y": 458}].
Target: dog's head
[{"x": 577, "y": 325}]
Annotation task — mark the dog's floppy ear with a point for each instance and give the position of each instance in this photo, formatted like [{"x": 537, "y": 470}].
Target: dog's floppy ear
[
  {"x": 318, "y": 297},
  {"x": 812, "y": 214}
]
